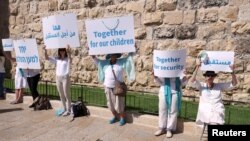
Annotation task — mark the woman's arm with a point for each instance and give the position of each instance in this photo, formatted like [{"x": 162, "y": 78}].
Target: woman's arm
[
  {"x": 9, "y": 57},
  {"x": 69, "y": 53},
  {"x": 198, "y": 64},
  {"x": 45, "y": 53},
  {"x": 234, "y": 79}
]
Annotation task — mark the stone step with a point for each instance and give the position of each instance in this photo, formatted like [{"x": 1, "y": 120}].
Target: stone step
[{"x": 185, "y": 127}]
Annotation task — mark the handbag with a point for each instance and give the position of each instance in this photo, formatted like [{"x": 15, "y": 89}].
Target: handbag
[{"x": 120, "y": 87}]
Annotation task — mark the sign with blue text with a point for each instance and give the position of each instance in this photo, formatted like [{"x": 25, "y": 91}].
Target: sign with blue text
[
  {"x": 169, "y": 64},
  {"x": 218, "y": 61},
  {"x": 110, "y": 35},
  {"x": 60, "y": 31},
  {"x": 26, "y": 54},
  {"x": 7, "y": 44}
]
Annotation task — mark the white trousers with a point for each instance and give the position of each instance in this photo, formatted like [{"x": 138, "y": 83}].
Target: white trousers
[
  {"x": 168, "y": 120},
  {"x": 115, "y": 103},
  {"x": 63, "y": 87}
]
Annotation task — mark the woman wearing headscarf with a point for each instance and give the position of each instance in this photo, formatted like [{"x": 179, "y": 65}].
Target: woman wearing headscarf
[{"x": 113, "y": 63}]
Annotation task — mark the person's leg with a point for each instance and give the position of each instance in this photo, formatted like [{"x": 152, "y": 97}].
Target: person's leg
[
  {"x": 33, "y": 82},
  {"x": 66, "y": 89},
  {"x": 119, "y": 108},
  {"x": 172, "y": 116},
  {"x": 162, "y": 123},
  {"x": 60, "y": 91},
  {"x": 1, "y": 85},
  {"x": 110, "y": 103}
]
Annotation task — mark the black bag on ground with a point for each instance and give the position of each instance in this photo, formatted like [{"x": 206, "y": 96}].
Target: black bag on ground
[
  {"x": 79, "y": 109},
  {"x": 42, "y": 103}
]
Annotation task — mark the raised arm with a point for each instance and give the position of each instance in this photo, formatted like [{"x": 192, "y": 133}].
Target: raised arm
[
  {"x": 198, "y": 64},
  {"x": 234, "y": 79},
  {"x": 9, "y": 57},
  {"x": 69, "y": 53},
  {"x": 45, "y": 53}
]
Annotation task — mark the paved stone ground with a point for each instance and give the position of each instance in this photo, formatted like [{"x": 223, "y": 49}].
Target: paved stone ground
[{"x": 20, "y": 123}]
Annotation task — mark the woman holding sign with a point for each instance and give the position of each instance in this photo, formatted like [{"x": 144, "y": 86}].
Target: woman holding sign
[
  {"x": 108, "y": 71},
  {"x": 211, "y": 109},
  {"x": 62, "y": 61},
  {"x": 170, "y": 94}
]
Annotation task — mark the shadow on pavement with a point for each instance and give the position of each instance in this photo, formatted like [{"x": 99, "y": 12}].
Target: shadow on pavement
[{"x": 10, "y": 110}]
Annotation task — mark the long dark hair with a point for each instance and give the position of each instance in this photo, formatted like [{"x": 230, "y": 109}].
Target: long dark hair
[{"x": 59, "y": 55}]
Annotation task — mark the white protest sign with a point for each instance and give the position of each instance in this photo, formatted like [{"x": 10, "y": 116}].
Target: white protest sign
[
  {"x": 60, "y": 31},
  {"x": 27, "y": 54},
  {"x": 7, "y": 44},
  {"x": 169, "y": 63},
  {"x": 218, "y": 61},
  {"x": 110, "y": 35}
]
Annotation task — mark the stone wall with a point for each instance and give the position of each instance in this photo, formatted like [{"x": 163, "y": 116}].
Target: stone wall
[{"x": 159, "y": 24}]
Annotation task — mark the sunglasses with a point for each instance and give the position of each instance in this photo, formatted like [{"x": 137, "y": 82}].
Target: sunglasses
[{"x": 210, "y": 75}]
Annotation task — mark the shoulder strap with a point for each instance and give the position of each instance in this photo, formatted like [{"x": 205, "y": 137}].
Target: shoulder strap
[{"x": 113, "y": 72}]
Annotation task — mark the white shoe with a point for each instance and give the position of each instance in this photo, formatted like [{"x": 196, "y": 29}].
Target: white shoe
[
  {"x": 169, "y": 134},
  {"x": 66, "y": 114},
  {"x": 159, "y": 132}
]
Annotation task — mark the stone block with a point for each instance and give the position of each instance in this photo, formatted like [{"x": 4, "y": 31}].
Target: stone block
[
  {"x": 244, "y": 13},
  {"x": 150, "y": 5},
  {"x": 12, "y": 20},
  {"x": 193, "y": 46},
  {"x": 189, "y": 16},
  {"x": 141, "y": 79},
  {"x": 53, "y": 5},
  {"x": 96, "y": 12},
  {"x": 168, "y": 44},
  {"x": 212, "y": 31},
  {"x": 186, "y": 31},
  {"x": 238, "y": 2},
  {"x": 135, "y": 6},
  {"x": 147, "y": 47},
  {"x": 36, "y": 27},
  {"x": 140, "y": 33},
  {"x": 229, "y": 13},
  {"x": 153, "y": 18},
  {"x": 189, "y": 4},
  {"x": 164, "y": 32},
  {"x": 20, "y": 20},
  {"x": 241, "y": 28},
  {"x": 166, "y": 5},
  {"x": 173, "y": 17},
  {"x": 213, "y": 3},
  {"x": 43, "y": 7},
  {"x": 24, "y": 8},
  {"x": 207, "y": 15},
  {"x": 33, "y": 7}
]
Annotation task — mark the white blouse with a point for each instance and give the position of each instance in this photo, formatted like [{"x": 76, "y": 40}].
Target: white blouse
[
  {"x": 211, "y": 108},
  {"x": 62, "y": 66}
]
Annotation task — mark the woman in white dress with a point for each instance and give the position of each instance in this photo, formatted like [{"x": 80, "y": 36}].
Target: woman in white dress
[{"x": 211, "y": 109}]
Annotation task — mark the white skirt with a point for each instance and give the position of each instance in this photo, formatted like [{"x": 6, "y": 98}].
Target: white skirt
[
  {"x": 211, "y": 113},
  {"x": 20, "y": 82}
]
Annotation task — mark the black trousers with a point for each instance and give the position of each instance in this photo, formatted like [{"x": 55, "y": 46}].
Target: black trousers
[{"x": 33, "y": 82}]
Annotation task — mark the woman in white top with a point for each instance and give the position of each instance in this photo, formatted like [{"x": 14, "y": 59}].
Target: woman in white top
[
  {"x": 20, "y": 81},
  {"x": 211, "y": 109},
  {"x": 62, "y": 62},
  {"x": 119, "y": 65},
  {"x": 2, "y": 74},
  {"x": 170, "y": 95}
]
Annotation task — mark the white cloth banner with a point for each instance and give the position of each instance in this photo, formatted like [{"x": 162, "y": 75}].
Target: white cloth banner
[
  {"x": 27, "y": 54},
  {"x": 218, "y": 61},
  {"x": 60, "y": 31},
  {"x": 169, "y": 64},
  {"x": 110, "y": 35},
  {"x": 7, "y": 44}
]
